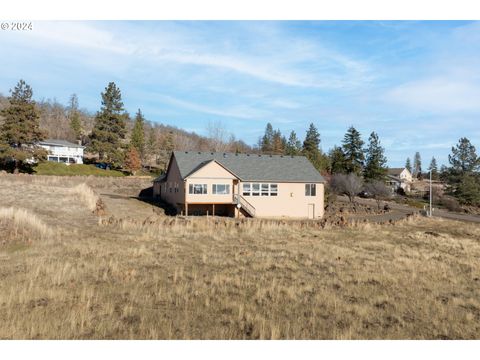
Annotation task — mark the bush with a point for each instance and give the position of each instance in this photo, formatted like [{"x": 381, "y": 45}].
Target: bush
[
  {"x": 344, "y": 184},
  {"x": 450, "y": 203}
]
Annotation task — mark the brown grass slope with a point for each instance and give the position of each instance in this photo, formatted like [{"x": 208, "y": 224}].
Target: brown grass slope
[{"x": 167, "y": 278}]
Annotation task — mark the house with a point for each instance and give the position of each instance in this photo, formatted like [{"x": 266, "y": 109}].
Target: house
[
  {"x": 400, "y": 173},
  {"x": 248, "y": 185},
  {"x": 399, "y": 178},
  {"x": 63, "y": 151}
]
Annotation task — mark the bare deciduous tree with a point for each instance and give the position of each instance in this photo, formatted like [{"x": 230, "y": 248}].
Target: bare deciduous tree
[
  {"x": 349, "y": 185},
  {"x": 378, "y": 190},
  {"x": 218, "y": 136}
]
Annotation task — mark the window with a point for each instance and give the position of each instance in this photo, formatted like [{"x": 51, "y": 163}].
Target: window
[
  {"x": 264, "y": 189},
  {"x": 176, "y": 187},
  {"x": 221, "y": 189},
  {"x": 197, "y": 188},
  {"x": 310, "y": 190},
  {"x": 260, "y": 189},
  {"x": 273, "y": 189},
  {"x": 255, "y": 189}
]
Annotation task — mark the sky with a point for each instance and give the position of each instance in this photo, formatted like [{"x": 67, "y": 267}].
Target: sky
[{"x": 417, "y": 84}]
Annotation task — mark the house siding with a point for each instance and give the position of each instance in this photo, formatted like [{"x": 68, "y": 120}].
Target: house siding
[
  {"x": 291, "y": 201},
  {"x": 167, "y": 188}
]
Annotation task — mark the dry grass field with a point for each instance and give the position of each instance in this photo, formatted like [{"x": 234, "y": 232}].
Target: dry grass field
[{"x": 134, "y": 273}]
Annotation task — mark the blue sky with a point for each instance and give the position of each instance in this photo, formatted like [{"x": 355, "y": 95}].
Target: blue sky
[{"x": 417, "y": 84}]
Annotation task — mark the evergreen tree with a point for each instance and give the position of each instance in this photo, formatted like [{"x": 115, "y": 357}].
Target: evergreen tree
[
  {"x": 337, "y": 161},
  {"x": 375, "y": 168},
  {"x": 467, "y": 190},
  {"x": 464, "y": 157},
  {"x": 353, "y": 150},
  {"x": 417, "y": 165},
  {"x": 463, "y": 177},
  {"x": 408, "y": 165},
  {"x": 266, "y": 142},
  {"x": 74, "y": 116},
  {"x": 433, "y": 168},
  {"x": 311, "y": 149},
  {"x": 138, "y": 134},
  {"x": 312, "y": 140},
  {"x": 20, "y": 131},
  {"x": 109, "y": 129},
  {"x": 293, "y": 145}
]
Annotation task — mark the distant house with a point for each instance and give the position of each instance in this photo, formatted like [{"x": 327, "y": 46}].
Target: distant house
[
  {"x": 63, "y": 151},
  {"x": 248, "y": 185},
  {"x": 399, "y": 178}
]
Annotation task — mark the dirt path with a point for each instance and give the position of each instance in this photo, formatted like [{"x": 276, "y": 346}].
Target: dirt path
[
  {"x": 399, "y": 211},
  {"x": 127, "y": 206}
]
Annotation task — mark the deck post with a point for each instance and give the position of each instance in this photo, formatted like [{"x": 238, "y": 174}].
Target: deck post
[
  {"x": 213, "y": 210},
  {"x": 186, "y": 209}
]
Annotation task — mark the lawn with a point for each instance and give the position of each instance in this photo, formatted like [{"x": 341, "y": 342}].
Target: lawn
[
  {"x": 60, "y": 169},
  {"x": 136, "y": 273}
]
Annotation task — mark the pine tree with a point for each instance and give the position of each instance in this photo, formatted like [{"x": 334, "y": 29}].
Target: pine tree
[
  {"x": 464, "y": 157},
  {"x": 74, "y": 116},
  {"x": 408, "y": 165},
  {"x": 337, "y": 161},
  {"x": 132, "y": 160},
  {"x": 138, "y": 134},
  {"x": 433, "y": 168},
  {"x": 20, "y": 131},
  {"x": 375, "y": 168},
  {"x": 293, "y": 146},
  {"x": 266, "y": 142},
  {"x": 463, "y": 177},
  {"x": 109, "y": 129},
  {"x": 353, "y": 150},
  {"x": 311, "y": 149},
  {"x": 417, "y": 165}
]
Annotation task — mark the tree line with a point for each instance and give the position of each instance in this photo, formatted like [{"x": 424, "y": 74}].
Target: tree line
[
  {"x": 129, "y": 143},
  {"x": 111, "y": 133}
]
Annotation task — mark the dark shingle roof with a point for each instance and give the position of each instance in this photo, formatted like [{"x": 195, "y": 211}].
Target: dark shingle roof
[
  {"x": 59, "y": 142},
  {"x": 395, "y": 171},
  {"x": 252, "y": 167}
]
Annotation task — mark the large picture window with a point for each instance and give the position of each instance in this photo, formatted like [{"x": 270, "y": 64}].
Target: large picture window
[
  {"x": 310, "y": 190},
  {"x": 197, "y": 188},
  {"x": 259, "y": 189},
  {"x": 221, "y": 189}
]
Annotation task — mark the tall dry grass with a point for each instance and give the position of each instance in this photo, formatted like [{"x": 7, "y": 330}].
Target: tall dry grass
[
  {"x": 21, "y": 225},
  {"x": 161, "y": 277},
  {"x": 86, "y": 195}
]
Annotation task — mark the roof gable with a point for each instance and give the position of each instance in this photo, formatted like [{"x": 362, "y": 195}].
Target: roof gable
[{"x": 251, "y": 167}]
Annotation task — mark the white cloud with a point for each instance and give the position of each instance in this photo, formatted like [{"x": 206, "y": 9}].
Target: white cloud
[
  {"x": 437, "y": 95},
  {"x": 265, "y": 57},
  {"x": 241, "y": 112}
]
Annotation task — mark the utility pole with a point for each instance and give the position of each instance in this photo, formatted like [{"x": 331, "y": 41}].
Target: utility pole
[{"x": 430, "y": 214}]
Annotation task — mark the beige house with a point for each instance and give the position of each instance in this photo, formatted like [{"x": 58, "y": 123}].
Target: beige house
[{"x": 250, "y": 185}]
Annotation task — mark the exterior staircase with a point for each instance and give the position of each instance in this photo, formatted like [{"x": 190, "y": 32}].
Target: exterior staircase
[{"x": 248, "y": 208}]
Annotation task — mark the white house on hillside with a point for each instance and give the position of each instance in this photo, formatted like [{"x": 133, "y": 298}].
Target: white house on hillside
[
  {"x": 399, "y": 178},
  {"x": 63, "y": 151}
]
